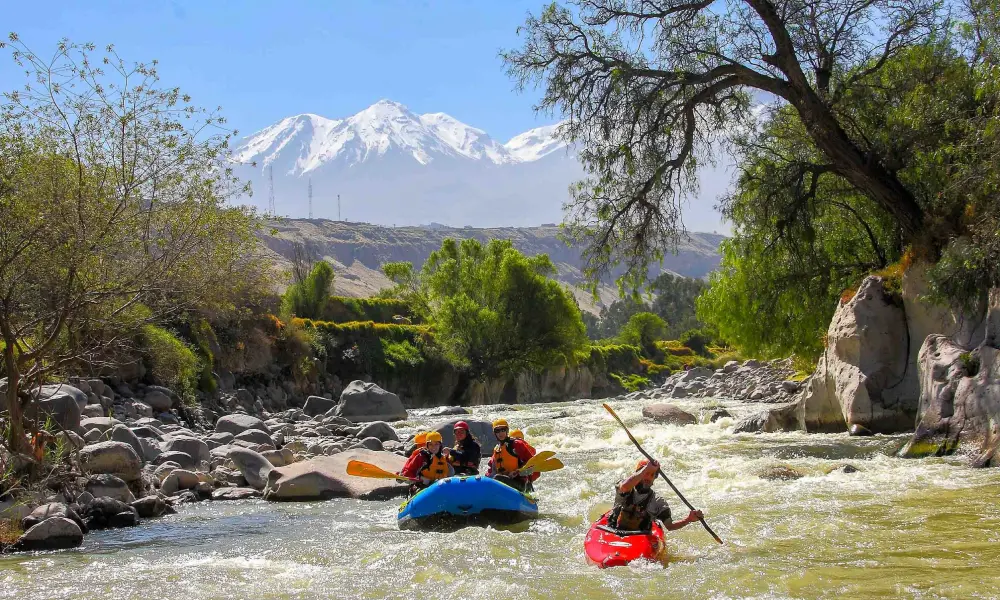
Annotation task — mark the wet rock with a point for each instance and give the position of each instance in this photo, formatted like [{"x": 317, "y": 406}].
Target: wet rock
[
  {"x": 848, "y": 469},
  {"x": 860, "y": 430},
  {"x": 668, "y": 413},
  {"x": 361, "y": 402},
  {"x": 253, "y": 466},
  {"x": 780, "y": 473},
  {"x": 238, "y": 423},
  {"x": 57, "y": 533},
  {"x": 108, "y": 513},
  {"x": 151, "y": 507},
  {"x": 110, "y": 486},
  {"x": 326, "y": 477},
  {"x": 379, "y": 430},
  {"x": 318, "y": 405},
  {"x": 718, "y": 413},
  {"x": 49, "y": 511},
  {"x": 114, "y": 458},
  {"x": 780, "y": 418},
  {"x": 235, "y": 493}
]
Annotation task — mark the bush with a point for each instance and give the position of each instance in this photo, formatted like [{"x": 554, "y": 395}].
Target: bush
[
  {"x": 310, "y": 298},
  {"x": 380, "y": 310},
  {"x": 171, "y": 362},
  {"x": 644, "y": 330},
  {"x": 697, "y": 340},
  {"x": 631, "y": 383}
]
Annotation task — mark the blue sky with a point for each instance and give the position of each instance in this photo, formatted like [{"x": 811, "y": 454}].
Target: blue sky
[{"x": 263, "y": 61}]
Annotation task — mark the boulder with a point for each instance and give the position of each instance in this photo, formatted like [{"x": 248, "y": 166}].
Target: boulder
[
  {"x": 151, "y": 507},
  {"x": 161, "y": 472},
  {"x": 275, "y": 457},
  {"x": 668, "y": 413},
  {"x": 380, "y": 430},
  {"x": 146, "y": 431},
  {"x": 102, "y": 424},
  {"x": 786, "y": 417},
  {"x": 114, "y": 458},
  {"x": 62, "y": 403},
  {"x": 318, "y": 405},
  {"x": 859, "y": 430},
  {"x": 255, "y": 436},
  {"x": 442, "y": 411},
  {"x": 110, "y": 486},
  {"x": 182, "y": 459},
  {"x": 150, "y": 449},
  {"x": 326, "y": 477},
  {"x": 71, "y": 440},
  {"x": 718, "y": 413},
  {"x": 178, "y": 480},
  {"x": 371, "y": 443},
  {"x": 362, "y": 402},
  {"x": 121, "y": 433},
  {"x": 481, "y": 430},
  {"x": 57, "y": 533},
  {"x": 731, "y": 366},
  {"x": 92, "y": 411},
  {"x": 50, "y": 511},
  {"x": 158, "y": 401},
  {"x": 254, "y": 467},
  {"x": 696, "y": 373},
  {"x": 235, "y": 493},
  {"x": 780, "y": 473},
  {"x": 238, "y": 423},
  {"x": 108, "y": 513},
  {"x": 220, "y": 439},
  {"x": 193, "y": 447}
]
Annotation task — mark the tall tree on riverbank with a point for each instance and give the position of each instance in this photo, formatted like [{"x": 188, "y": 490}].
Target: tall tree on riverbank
[
  {"x": 649, "y": 86},
  {"x": 113, "y": 196}
]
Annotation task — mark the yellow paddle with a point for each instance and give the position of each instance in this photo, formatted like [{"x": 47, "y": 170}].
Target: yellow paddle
[
  {"x": 552, "y": 464},
  {"x": 363, "y": 469},
  {"x": 538, "y": 458}
]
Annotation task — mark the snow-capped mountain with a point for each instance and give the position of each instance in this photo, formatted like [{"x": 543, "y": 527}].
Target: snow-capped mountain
[{"x": 391, "y": 166}]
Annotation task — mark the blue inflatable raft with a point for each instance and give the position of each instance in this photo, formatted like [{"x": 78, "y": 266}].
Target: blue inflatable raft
[{"x": 456, "y": 502}]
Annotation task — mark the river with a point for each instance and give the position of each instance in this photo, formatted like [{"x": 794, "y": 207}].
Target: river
[{"x": 894, "y": 529}]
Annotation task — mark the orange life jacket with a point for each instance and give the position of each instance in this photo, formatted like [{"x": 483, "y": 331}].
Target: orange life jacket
[
  {"x": 435, "y": 466},
  {"x": 505, "y": 461}
]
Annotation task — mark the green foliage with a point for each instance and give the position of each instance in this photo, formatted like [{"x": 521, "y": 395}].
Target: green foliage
[
  {"x": 620, "y": 358},
  {"x": 310, "y": 299},
  {"x": 171, "y": 362},
  {"x": 204, "y": 340},
  {"x": 380, "y": 310},
  {"x": 673, "y": 300},
  {"x": 630, "y": 382},
  {"x": 697, "y": 340},
  {"x": 970, "y": 363},
  {"x": 494, "y": 310},
  {"x": 644, "y": 330}
]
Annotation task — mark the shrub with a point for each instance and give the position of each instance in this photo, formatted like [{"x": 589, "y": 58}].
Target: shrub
[
  {"x": 310, "y": 298},
  {"x": 171, "y": 361},
  {"x": 631, "y": 383},
  {"x": 697, "y": 340},
  {"x": 380, "y": 310}
]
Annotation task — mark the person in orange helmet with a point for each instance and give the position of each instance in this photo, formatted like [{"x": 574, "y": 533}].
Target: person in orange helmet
[
  {"x": 508, "y": 458},
  {"x": 429, "y": 464},
  {"x": 517, "y": 434},
  {"x": 637, "y": 505}
]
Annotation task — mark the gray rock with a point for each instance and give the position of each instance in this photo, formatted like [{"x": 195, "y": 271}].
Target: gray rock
[
  {"x": 859, "y": 430},
  {"x": 481, "y": 430},
  {"x": 92, "y": 411},
  {"x": 102, "y": 424},
  {"x": 71, "y": 440},
  {"x": 255, "y": 436},
  {"x": 146, "y": 431},
  {"x": 61, "y": 403},
  {"x": 361, "y": 402},
  {"x": 380, "y": 430},
  {"x": 156, "y": 424},
  {"x": 121, "y": 433},
  {"x": 238, "y": 423},
  {"x": 183, "y": 459},
  {"x": 57, "y": 533},
  {"x": 318, "y": 405},
  {"x": 275, "y": 457},
  {"x": 220, "y": 438},
  {"x": 158, "y": 401},
  {"x": 151, "y": 507},
  {"x": 114, "y": 458},
  {"x": 235, "y": 493},
  {"x": 254, "y": 466},
  {"x": 371, "y": 443},
  {"x": 326, "y": 477},
  {"x": 668, "y": 413},
  {"x": 193, "y": 447},
  {"x": 110, "y": 486},
  {"x": 49, "y": 511},
  {"x": 442, "y": 411},
  {"x": 178, "y": 480},
  {"x": 786, "y": 417},
  {"x": 718, "y": 413},
  {"x": 106, "y": 513},
  {"x": 161, "y": 472},
  {"x": 790, "y": 387},
  {"x": 731, "y": 366}
]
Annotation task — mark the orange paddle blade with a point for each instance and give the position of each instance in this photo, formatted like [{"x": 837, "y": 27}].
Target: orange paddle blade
[{"x": 363, "y": 469}]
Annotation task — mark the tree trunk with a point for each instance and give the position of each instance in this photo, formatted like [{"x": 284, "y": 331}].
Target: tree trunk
[{"x": 15, "y": 433}]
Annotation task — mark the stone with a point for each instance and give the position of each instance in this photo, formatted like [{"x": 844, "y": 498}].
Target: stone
[
  {"x": 481, "y": 430},
  {"x": 71, "y": 440},
  {"x": 718, "y": 413},
  {"x": 192, "y": 446},
  {"x": 361, "y": 402},
  {"x": 158, "y": 401},
  {"x": 254, "y": 467},
  {"x": 318, "y": 405},
  {"x": 121, "y": 433},
  {"x": 100, "y": 423},
  {"x": 326, "y": 477},
  {"x": 668, "y": 413},
  {"x": 108, "y": 513},
  {"x": 780, "y": 473},
  {"x": 60, "y": 402},
  {"x": 146, "y": 431},
  {"x": 220, "y": 438},
  {"x": 235, "y": 493},
  {"x": 859, "y": 430},
  {"x": 238, "y": 423},
  {"x": 442, "y": 411},
  {"x": 150, "y": 449},
  {"x": 790, "y": 387},
  {"x": 696, "y": 373},
  {"x": 786, "y": 417},
  {"x": 753, "y": 364},
  {"x": 848, "y": 469},
  {"x": 256, "y": 436},
  {"x": 161, "y": 472},
  {"x": 151, "y": 507},
  {"x": 178, "y": 480},
  {"x": 114, "y": 458},
  {"x": 731, "y": 366},
  {"x": 182, "y": 459},
  {"x": 110, "y": 486},
  {"x": 156, "y": 424},
  {"x": 92, "y": 411},
  {"x": 50, "y": 511},
  {"x": 380, "y": 430},
  {"x": 371, "y": 443},
  {"x": 57, "y": 533},
  {"x": 275, "y": 457},
  {"x": 97, "y": 386}
]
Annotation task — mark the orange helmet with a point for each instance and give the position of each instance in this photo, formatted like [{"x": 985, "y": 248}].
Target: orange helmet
[
  {"x": 517, "y": 434},
  {"x": 433, "y": 436},
  {"x": 420, "y": 439}
]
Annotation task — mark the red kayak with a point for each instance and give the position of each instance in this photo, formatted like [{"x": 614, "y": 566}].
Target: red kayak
[{"x": 608, "y": 547}]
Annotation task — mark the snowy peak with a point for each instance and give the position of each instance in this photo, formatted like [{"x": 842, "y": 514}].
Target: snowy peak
[
  {"x": 535, "y": 143},
  {"x": 307, "y": 142}
]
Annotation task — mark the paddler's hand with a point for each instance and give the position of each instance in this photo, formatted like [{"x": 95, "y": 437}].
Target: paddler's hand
[
  {"x": 694, "y": 516},
  {"x": 446, "y": 452},
  {"x": 651, "y": 467},
  {"x": 526, "y": 472}
]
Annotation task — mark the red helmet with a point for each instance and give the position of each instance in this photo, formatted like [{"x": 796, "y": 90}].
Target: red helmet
[{"x": 462, "y": 425}]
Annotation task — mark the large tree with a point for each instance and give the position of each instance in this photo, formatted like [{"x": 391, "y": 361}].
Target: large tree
[
  {"x": 113, "y": 204},
  {"x": 649, "y": 86}
]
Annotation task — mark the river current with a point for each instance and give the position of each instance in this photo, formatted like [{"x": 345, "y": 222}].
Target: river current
[{"x": 894, "y": 529}]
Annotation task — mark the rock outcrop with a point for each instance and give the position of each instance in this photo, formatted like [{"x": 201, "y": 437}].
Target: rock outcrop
[
  {"x": 326, "y": 477},
  {"x": 362, "y": 402}
]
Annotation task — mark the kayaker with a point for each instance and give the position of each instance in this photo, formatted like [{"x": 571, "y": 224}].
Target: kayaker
[
  {"x": 509, "y": 456},
  {"x": 466, "y": 454},
  {"x": 636, "y": 504},
  {"x": 429, "y": 464}
]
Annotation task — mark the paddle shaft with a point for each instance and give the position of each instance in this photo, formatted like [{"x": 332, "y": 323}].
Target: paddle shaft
[{"x": 661, "y": 473}]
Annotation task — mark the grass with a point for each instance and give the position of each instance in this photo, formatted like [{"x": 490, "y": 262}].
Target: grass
[{"x": 10, "y": 531}]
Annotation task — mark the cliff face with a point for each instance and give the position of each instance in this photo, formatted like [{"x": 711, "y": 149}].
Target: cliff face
[{"x": 358, "y": 250}]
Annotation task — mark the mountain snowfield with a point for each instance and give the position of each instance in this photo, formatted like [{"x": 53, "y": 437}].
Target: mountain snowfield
[{"x": 393, "y": 167}]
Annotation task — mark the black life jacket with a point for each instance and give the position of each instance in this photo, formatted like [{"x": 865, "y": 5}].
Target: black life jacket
[{"x": 631, "y": 514}]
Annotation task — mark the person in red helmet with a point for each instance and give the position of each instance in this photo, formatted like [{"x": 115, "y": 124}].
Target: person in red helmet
[
  {"x": 636, "y": 504},
  {"x": 466, "y": 453}
]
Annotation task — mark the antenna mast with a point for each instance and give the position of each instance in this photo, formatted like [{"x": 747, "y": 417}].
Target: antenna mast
[
  {"x": 310, "y": 198},
  {"x": 270, "y": 189},
  {"x": 338, "y": 207}
]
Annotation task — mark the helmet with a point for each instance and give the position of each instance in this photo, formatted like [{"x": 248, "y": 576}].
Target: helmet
[
  {"x": 641, "y": 465},
  {"x": 517, "y": 434},
  {"x": 500, "y": 423},
  {"x": 433, "y": 436},
  {"x": 420, "y": 439},
  {"x": 461, "y": 425}
]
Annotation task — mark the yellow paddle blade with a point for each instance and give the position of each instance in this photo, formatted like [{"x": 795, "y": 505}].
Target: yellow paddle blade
[
  {"x": 539, "y": 458},
  {"x": 363, "y": 469},
  {"x": 552, "y": 464}
]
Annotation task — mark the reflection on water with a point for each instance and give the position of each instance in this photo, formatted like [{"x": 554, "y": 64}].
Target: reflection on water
[{"x": 895, "y": 528}]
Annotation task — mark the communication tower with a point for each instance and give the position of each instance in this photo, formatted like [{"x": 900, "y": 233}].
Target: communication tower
[
  {"x": 310, "y": 198},
  {"x": 270, "y": 189}
]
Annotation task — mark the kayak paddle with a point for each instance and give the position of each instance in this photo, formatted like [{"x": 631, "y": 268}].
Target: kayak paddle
[
  {"x": 552, "y": 464},
  {"x": 660, "y": 471},
  {"x": 363, "y": 469},
  {"x": 537, "y": 459}
]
